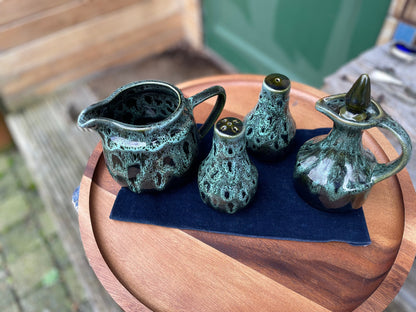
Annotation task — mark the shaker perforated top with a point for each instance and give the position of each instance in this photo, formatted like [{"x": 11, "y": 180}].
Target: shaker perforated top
[
  {"x": 277, "y": 82},
  {"x": 229, "y": 126}
]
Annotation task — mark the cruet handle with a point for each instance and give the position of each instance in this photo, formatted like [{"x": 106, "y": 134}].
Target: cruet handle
[
  {"x": 216, "y": 111},
  {"x": 383, "y": 171}
]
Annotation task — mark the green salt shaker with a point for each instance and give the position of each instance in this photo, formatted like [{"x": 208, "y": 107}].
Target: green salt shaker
[{"x": 227, "y": 179}]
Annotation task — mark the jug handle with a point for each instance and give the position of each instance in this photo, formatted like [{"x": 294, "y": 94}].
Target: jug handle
[
  {"x": 216, "y": 111},
  {"x": 383, "y": 171}
]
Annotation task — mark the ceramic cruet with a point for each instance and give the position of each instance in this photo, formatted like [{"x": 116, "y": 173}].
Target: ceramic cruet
[
  {"x": 227, "y": 179},
  {"x": 270, "y": 125},
  {"x": 335, "y": 172}
]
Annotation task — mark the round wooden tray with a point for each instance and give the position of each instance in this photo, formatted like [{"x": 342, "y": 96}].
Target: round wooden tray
[{"x": 152, "y": 268}]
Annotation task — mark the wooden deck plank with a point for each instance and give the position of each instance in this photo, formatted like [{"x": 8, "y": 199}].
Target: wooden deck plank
[
  {"x": 46, "y": 78},
  {"x": 47, "y": 20},
  {"x": 102, "y": 34},
  {"x": 104, "y": 29}
]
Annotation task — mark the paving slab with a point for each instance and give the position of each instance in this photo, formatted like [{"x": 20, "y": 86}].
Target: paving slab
[
  {"x": 47, "y": 226},
  {"x": 3, "y": 270},
  {"x": 6, "y": 296},
  {"x": 13, "y": 209},
  {"x": 60, "y": 256},
  {"x": 6, "y": 160},
  {"x": 8, "y": 183},
  {"x": 11, "y": 308},
  {"x": 47, "y": 299},
  {"x": 28, "y": 270},
  {"x": 22, "y": 174},
  {"x": 32, "y": 257},
  {"x": 22, "y": 238}
]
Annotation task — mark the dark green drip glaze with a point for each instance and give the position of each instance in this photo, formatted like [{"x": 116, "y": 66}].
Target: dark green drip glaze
[
  {"x": 270, "y": 127},
  {"x": 148, "y": 132},
  {"x": 335, "y": 172},
  {"x": 227, "y": 179}
]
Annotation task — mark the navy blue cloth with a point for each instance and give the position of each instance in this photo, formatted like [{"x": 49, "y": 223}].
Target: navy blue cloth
[{"x": 276, "y": 211}]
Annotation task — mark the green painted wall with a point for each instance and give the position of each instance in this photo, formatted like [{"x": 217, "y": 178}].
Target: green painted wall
[{"x": 304, "y": 39}]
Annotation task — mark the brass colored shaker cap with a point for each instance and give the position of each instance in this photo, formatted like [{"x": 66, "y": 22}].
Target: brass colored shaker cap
[
  {"x": 277, "y": 82},
  {"x": 229, "y": 126}
]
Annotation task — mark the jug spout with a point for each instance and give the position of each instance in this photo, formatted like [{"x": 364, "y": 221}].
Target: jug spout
[{"x": 90, "y": 117}]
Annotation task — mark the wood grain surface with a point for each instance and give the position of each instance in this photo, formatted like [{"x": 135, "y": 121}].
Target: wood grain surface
[
  {"x": 152, "y": 268},
  {"x": 46, "y": 44}
]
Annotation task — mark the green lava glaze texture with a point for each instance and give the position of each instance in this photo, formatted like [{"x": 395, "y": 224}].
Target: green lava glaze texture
[
  {"x": 270, "y": 125},
  {"x": 227, "y": 179},
  {"x": 148, "y": 132},
  {"x": 335, "y": 172}
]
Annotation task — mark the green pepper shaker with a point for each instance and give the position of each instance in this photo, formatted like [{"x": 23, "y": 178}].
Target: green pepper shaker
[
  {"x": 227, "y": 179},
  {"x": 270, "y": 125}
]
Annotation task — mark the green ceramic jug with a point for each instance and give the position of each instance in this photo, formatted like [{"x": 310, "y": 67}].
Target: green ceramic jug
[
  {"x": 335, "y": 172},
  {"x": 148, "y": 132}
]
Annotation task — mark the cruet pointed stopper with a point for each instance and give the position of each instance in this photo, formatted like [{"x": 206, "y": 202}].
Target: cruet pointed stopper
[
  {"x": 359, "y": 96},
  {"x": 357, "y": 99}
]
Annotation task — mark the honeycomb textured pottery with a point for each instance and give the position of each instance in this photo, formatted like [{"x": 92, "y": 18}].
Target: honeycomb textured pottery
[
  {"x": 270, "y": 125},
  {"x": 227, "y": 179},
  {"x": 335, "y": 172},
  {"x": 148, "y": 132}
]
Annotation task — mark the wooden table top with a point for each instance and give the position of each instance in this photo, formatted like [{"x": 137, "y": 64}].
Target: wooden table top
[{"x": 153, "y": 268}]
